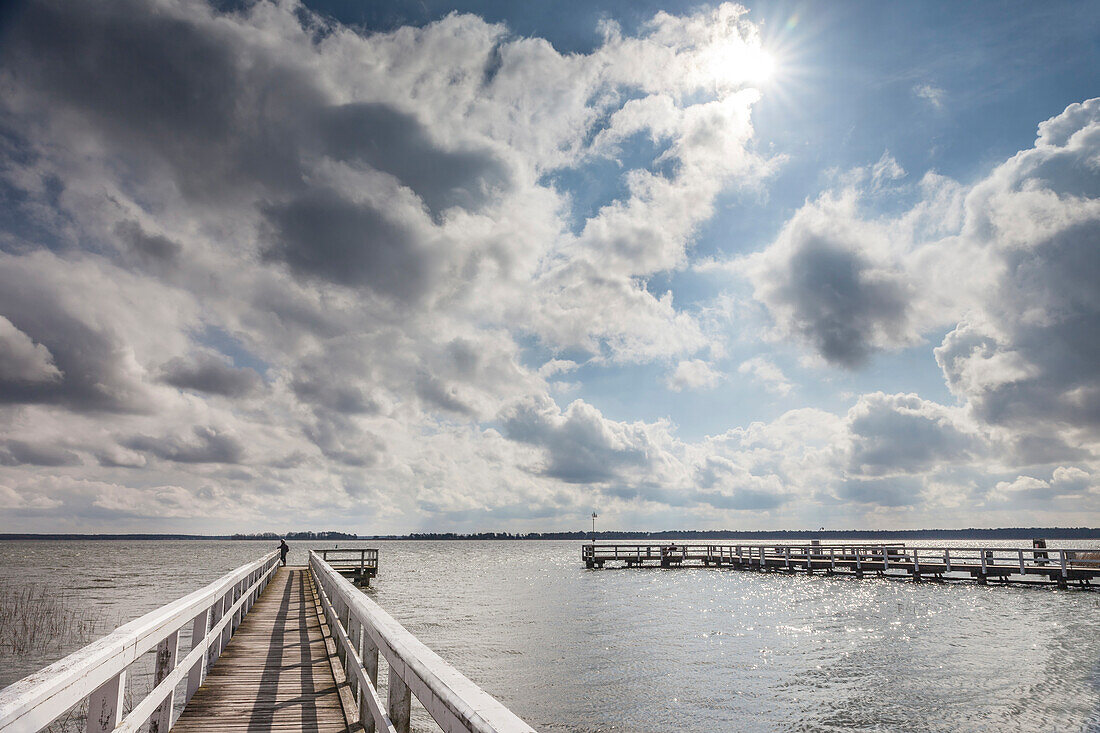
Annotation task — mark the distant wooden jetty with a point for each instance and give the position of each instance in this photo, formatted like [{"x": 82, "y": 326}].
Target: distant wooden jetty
[
  {"x": 359, "y": 565},
  {"x": 264, "y": 648},
  {"x": 1036, "y": 566}
]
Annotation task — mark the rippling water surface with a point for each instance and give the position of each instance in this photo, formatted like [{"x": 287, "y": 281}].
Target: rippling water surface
[{"x": 569, "y": 649}]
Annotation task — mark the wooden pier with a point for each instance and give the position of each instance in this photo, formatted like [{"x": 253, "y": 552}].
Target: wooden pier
[
  {"x": 271, "y": 649},
  {"x": 359, "y": 565},
  {"x": 1035, "y": 566},
  {"x": 276, "y": 673}
]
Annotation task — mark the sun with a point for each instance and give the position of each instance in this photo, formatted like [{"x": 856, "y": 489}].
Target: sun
[
  {"x": 737, "y": 64},
  {"x": 759, "y": 66}
]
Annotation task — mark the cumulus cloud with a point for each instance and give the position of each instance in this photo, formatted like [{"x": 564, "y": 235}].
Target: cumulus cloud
[
  {"x": 693, "y": 374},
  {"x": 727, "y": 483},
  {"x": 86, "y": 318},
  {"x": 205, "y": 445},
  {"x": 10, "y": 499},
  {"x": 833, "y": 281},
  {"x": 18, "y": 452},
  {"x": 580, "y": 445},
  {"x": 557, "y": 366},
  {"x": 21, "y": 359},
  {"x": 211, "y": 374},
  {"x": 369, "y": 231},
  {"x": 902, "y": 433},
  {"x": 1066, "y": 482},
  {"x": 1007, "y": 269},
  {"x": 767, "y": 373},
  {"x": 367, "y": 220},
  {"x": 1026, "y": 359},
  {"x": 900, "y": 491}
]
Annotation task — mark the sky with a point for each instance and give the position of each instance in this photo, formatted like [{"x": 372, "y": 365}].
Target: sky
[{"x": 400, "y": 267}]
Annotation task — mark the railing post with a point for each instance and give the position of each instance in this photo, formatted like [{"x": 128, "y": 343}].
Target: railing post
[
  {"x": 343, "y": 618},
  {"x": 227, "y": 632},
  {"x": 355, "y": 636},
  {"x": 198, "y": 670},
  {"x": 370, "y": 666},
  {"x": 947, "y": 559},
  {"x": 105, "y": 704},
  {"x": 167, "y": 651},
  {"x": 238, "y": 615},
  {"x": 215, "y": 617},
  {"x": 1022, "y": 563},
  {"x": 399, "y": 701}
]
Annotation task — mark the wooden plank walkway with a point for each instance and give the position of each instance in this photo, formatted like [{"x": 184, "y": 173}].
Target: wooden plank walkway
[{"x": 275, "y": 674}]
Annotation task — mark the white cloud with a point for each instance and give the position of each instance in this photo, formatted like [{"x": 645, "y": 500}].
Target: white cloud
[
  {"x": 902, "y": 433},
  {"x": 767, "y": 373},
  {"x": 693, "y": 374},
  {"x": 887, "y": 169},
  {"x": 930, "y": 93},
  {"x": 319, "y": 249},
  {"x": 277, "y": 271},
  {"x": 1004, "y": 261},
  {"x": 557, "y": 366},
  {"x": 1066, "y": 483},
  {"x": 22, "y": 360},
  {"x": 837, "y": 283}
]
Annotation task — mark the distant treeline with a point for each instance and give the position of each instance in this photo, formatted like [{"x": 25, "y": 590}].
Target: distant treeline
[
  {"x": 72, "y": 536},
  {"x": 295, "y": 536},
  {"x": 264, "y": 536},
  {"x": 1003, "y": 533}
]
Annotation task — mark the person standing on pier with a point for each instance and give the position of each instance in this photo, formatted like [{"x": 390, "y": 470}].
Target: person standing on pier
[{"x": 283, "y": 550}]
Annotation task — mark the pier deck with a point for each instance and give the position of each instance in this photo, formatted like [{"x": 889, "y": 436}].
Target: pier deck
[
  {"x": 1031, "y": 566},
  {"x": 272, "y": 649},
  {"x": 357, "y": 565},
  {"x": 276, "y": 672}
]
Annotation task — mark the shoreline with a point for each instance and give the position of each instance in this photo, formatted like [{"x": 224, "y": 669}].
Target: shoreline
[{"x": 1008, "y": 533}]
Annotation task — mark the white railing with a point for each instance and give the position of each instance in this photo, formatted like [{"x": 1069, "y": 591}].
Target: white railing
[
  {"x": 1055, "y": 563},
  {"x": 643, "y": 551},
  {"x": 362, "y": 629},
  {"x": 97, "y": 673}
]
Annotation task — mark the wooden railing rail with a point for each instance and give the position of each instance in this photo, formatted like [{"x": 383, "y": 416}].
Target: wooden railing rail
[
  {"x": 362, "y": 558},
  {"x": 97, "y": 673},
  {"x": 362, "y": 629}
]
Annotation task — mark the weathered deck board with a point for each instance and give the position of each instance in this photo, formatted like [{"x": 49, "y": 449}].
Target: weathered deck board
[{"x": 275, "y": 673}]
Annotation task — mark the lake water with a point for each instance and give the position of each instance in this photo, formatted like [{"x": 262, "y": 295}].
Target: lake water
[{"x": 569, "y": 649}]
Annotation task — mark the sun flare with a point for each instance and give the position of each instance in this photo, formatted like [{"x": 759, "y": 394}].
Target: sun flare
[
  {"x": 736, "y": 65},
  {"x": 760, "y": 66}
]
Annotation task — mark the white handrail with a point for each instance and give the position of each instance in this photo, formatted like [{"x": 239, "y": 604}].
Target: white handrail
[
  {"x": 98, "y": 671},
  {"x": 611, "y": 550},
  {"x": 362, "y": 629}
]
